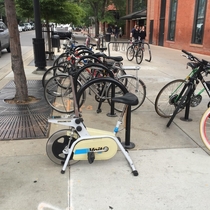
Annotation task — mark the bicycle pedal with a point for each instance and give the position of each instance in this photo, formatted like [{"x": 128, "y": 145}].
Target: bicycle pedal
[{"x": 91, "y": 157}]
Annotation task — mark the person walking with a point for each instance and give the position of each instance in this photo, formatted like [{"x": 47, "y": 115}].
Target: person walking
[
  {"x": 116, "y": 31},
  {"x": 120, "y": 32},
  {"x": 142, "y": 35},
  {"x": 109, "y": 30},
  {"x": 136, "y": 34},
  {"x": 131, "y": 34}
]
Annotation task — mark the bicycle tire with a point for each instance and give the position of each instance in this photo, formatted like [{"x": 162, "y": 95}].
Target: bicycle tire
[
  {"x": 58, "y": 94},
  {"x": 56, "y": 143},
  {"x": 133, "y": 85},
  {"x": 139, "y": 55},
  {"x": 178, "y": 108},
  {"x": 205, "y": 128},
  {"x": 130, "y": 53},
  {"x": 101, "y": 85},
  {"x": 51, "y": 72},
  {"x": 61, "y": 58},
  {"x": 164, "y": 102}
]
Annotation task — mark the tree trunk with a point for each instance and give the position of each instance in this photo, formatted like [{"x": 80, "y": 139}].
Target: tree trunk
[{"x": 16, "y": 54}]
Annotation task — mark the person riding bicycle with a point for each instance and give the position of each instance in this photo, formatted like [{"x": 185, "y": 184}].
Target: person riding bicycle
[
  {"x": 136, "y": 34},
  {"x": 142, "y": 35}
]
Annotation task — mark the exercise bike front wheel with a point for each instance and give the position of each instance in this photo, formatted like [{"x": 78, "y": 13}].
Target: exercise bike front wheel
[{"x": 57, "y": 143}]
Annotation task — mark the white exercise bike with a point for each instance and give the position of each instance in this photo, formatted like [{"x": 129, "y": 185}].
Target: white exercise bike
[{"x": 79, "y": 142}]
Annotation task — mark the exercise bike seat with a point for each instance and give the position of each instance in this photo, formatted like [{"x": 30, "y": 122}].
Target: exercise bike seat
[{"x": 128, "y": 99}]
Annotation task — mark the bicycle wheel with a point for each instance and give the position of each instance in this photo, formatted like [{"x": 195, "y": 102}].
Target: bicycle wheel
[
  {"x": 205, "y": 128},
  {"x": 57, "y": 143},
  {"x": 58, "y": 94},
  {"x": 51, "y": 72},
  {"x": 98, "y": 94},
  {"x": 133, "y": 85},
  {"x": 130, "y": 53},
  {"x": 139, "y": 55},
  {"x": 61, "y": 58},
  {"x": 165, "y": 102}
]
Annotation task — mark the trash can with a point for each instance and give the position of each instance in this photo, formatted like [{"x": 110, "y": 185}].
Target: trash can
[
  {"x": 55, "y": 41},
  {"x": 107, "y": 37}
]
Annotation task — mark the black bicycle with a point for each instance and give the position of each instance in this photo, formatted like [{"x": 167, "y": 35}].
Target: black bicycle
[
  {"x": 183, "y": 99},
  {"x": 135, "y": 50}
]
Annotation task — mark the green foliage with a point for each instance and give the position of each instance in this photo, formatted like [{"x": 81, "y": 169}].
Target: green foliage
[
  {"x": 2, "y": 9},
  {"x": 51, "y": 10},
  {"x": 97, "y": 8}
]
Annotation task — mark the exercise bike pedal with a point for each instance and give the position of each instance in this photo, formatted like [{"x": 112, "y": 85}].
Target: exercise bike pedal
[{"x": 91, "y": 157}]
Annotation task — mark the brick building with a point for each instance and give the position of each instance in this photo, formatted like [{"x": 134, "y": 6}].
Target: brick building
[{"x": 178, "y": 24}]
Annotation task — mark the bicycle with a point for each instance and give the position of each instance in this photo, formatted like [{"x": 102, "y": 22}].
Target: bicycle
[
  {"x": 135, "y": 50},
  {"x": 204, "y": 128},
  {"x": 183, "y": 99},
  {"x": 167, "y": 99},
  {"x": 68, "y": 146},
  {"x": 60, "y": 98}
]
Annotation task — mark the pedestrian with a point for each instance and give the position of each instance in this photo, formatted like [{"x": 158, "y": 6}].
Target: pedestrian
[
  {"x": 116, "y": 31},
  {"x": 131, "y": 34},
  {"x": 120, "y": 32},
  {"x": 109, "y": 29},
  {"x": 136, "y": 34},
  {"x": 142, "y": 35}
]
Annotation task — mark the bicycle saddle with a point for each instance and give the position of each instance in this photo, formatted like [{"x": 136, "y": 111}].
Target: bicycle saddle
[
  {"x": 115, "y": 58},
  {"x": 128, "y": 99},
  {"x": 93, "y": 45},
  {"x": 102, "y": 49}
]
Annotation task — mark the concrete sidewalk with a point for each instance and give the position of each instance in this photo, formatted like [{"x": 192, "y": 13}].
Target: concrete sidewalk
[{"x": 172, "y": 162}]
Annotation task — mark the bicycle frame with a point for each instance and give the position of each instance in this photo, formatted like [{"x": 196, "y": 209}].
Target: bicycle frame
[{"x": 189, "y": 87}]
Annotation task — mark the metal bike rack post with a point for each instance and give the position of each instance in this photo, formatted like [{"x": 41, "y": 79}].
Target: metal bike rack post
[
  {"x": 187, "y": 108},
  {"x": 127, "y": 144},
  {"x": 112, "y": 113},
  {"x": 187, "y": 111}
]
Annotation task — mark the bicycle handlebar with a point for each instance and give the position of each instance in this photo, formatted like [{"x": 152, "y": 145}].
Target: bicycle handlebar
[{"x": 192, "y": 57}]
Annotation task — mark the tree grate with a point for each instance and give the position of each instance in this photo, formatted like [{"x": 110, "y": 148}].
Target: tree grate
[{"x": 24, "y": 121}]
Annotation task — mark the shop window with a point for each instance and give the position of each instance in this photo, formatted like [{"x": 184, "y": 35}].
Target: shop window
[
  {"x": 200, "y": 12},
  {"x": 172, "y": 20}
]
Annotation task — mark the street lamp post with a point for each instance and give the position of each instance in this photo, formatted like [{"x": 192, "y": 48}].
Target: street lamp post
[{"x": 38, "y": 42}]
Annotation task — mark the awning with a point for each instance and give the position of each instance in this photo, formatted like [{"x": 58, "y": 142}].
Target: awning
[{"x": 135, "y": 15}]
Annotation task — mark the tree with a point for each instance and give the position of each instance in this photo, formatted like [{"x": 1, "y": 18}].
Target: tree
[
  {"x": 63, "y": 11},
  {"x": 21, "y": 94},
  {"x": 52, "y": 11},
  {"x": 98, "y": 9}
]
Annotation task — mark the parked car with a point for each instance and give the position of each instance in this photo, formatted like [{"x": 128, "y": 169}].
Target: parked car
[
  {"x": 4, "y": 38},
  {"x": 28, "y": 26},
  {"x": 20, "y": 28},
  {"x": 24, "y": 28},
  {"x": 63, "y": 30},
  {"x": 32, "y": 26}
]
